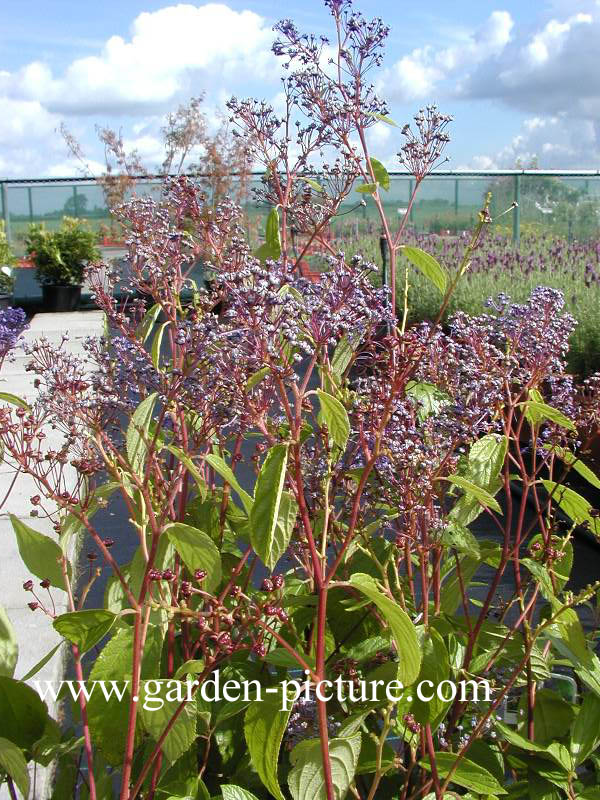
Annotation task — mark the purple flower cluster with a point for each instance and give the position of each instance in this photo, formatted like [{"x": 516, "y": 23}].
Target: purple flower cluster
[{"x": 13, "y": 322}]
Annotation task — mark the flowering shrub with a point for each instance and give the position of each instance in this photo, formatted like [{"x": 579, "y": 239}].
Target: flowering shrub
[{"x": 302, "y": 475}]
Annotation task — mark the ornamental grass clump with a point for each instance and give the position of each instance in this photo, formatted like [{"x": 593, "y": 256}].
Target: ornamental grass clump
[{"x": 306, "y": 479}]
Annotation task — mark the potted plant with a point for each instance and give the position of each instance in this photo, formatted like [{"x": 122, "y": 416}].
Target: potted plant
[
  {"x": 7, "y": 262},
  {"x": 60, "y": 258}
]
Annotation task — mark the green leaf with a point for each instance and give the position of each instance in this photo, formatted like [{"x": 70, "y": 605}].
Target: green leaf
[
  {"x": 367, "y": 188},
  {"x": 286, "y": 519},
  {"x": 191, "y": 468},
  {"x": 85, "y": 628},
  {"x": 483, "y": 498},
  {"x": 461, "y": 539},
  {"x": 12, "y": 761},
  {"x": 401, "y": 626},
  {"x": 573, "y": 504},
  {"x": 9, "y": 649},
  {"x": 307, "y": 780},
  {"x": 541, "y": 575},
  {"x": 312, "y": 183},
  {"x": 569, "y": 627},
  {"x": 467, "y": 774},
  {"x": 137, "y": 433},
  {"x": 381, "y": 118},
  {"x": 585, "y": 732},
  {"x": 428, "y": 265},
  {"x": 232, "y": 792},
  {"x": 159, "y": 700},
  {"x": 41, "y": 663},
  {"x": 342, "y": 356},
  {"x": 23, "y": 714},
  {"x": 486, "y": 459},
  {"x": 268, "y": 495},
  {"x": 435, "y": 667},
  {"x": 271, "y": 249},
  {"x": 156, "y": 345},
  {"x": 429, "y": 399},
  {"x": 197, "y": 551},
  {"x": 537, "y": 412},
  {"x": 143, "y": 329},
  {"x": 256, "y": 378},
  {"x": 570, "y": 459},
  {"x": 381, "y": 174},
  {"x": 335, "y": 416},
  {"x": 274, "y": 511},
  {"x": 264, "y": 726},
  {"x": 552, "y": 716},
  {"x": 41, "y": 555},
  {"x": 13, "y": 400},
  {"x": 225, "y": 471},
  {"x": 272, "y": 237}
]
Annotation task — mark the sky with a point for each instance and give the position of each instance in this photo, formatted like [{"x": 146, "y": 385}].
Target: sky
[{"x": 520, "y": 78}]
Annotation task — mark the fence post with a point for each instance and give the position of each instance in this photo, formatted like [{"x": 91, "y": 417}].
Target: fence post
[
  {"x": 5, "y": 213},
  {"x": 456, "y": 197},
  {"x": 517, "y": 211},
  {"x": 30, "y": 201},
  {"x": 75, "y": 209},
  {"x": 410, "y": 191}
]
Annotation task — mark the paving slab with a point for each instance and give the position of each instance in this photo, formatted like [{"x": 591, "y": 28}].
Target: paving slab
[{"x": 35, "y": 634}]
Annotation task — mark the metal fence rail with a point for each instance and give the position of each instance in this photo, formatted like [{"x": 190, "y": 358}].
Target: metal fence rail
[{"x": 564, "y": 203}]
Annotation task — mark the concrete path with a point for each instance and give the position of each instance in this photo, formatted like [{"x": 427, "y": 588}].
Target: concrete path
[{"x": 34, "y": 631}]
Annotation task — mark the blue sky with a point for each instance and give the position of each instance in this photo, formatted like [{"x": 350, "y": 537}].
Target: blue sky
[{"x": 520, "y": 78}]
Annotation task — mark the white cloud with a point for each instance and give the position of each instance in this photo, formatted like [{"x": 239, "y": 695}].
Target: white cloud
[
  {"x": 419, "y": 73},
  {"x": 170, "y": 51},
  {"x": 553, "y": 142}
]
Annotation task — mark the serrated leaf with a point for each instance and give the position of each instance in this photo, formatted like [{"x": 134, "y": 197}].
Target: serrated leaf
[
  {"x": 24, "y": 716},
  {"x": 41, "y": 554},
  {"x": 429, "y": 399},
  {"x": 335, "y": 416},
  {"x": 541, "y": 575},
  {"x": 537, "y": 412},
  {"x": 483, "y": 498},
  {"x": 381, "y": 174},
  {"x": 342, "y": 356},
  {"x": 225, "y": 471},
  {"x": 306, "y": 779},
  {"x": 573, "y": 504},
  {"x": 268, "y": 494},
  {"x": 264, "y": 726},
  {"x": 85, "y": 628},
  {"x": 467, "y": 774},
  {"x": 401, "y": 626},
  {"x": 197, "y": 551},
  {"x": 12, "y": 762},
  {"x": 155, "y": 718},
  {"x": 585, "y": 731},
  {"x": 428, "y": 265},
  {"x": 367, "y": 188},
  {"x": 137, "y": 433},
  {"x": 572, "y": 461}
]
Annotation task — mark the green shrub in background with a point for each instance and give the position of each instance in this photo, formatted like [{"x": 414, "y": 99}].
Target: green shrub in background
[{"x": 60, "y": 256}]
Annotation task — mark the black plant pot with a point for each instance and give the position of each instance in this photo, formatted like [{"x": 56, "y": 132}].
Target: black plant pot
[{"x": 61, "y": 298}]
